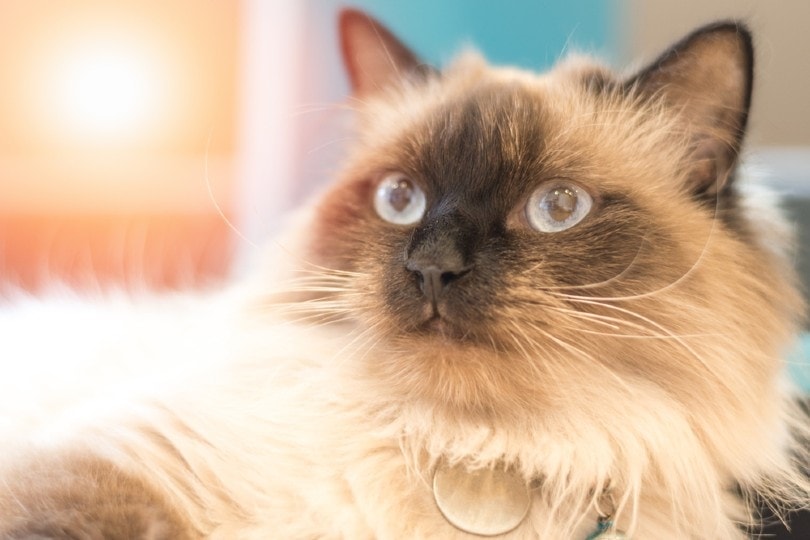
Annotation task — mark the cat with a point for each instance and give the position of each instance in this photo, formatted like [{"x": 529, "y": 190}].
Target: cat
[{"x": 531, "y": 306}]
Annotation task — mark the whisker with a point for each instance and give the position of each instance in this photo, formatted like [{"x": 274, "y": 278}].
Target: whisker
[
  {"x": 321, "y": 319},
  {"x": 328, "y": 143},
  {"x": 704, "y": 250},
  {"x": 531, "y": 360},
  {"x": 680, "y": 341},
  {"x": 210, "y": 189},
  {"x": 593, "y": 362},
  {"x": 318, "y": 269},
  {"x": 365, "y": 335},
  {"x": 616, "y": 323},
  {"x": 604, "y": 283}
]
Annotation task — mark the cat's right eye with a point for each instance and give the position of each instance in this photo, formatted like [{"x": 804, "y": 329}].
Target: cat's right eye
[
  {"x": 398, "y": 200},
  {"x": 557, "y": 206}
]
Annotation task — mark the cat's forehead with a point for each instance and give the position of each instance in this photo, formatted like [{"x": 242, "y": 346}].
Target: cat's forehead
[
  {"x": 481, "y": 128},
  {"x": 511, "y": 128},
  {"x": 489, "y": 130}
]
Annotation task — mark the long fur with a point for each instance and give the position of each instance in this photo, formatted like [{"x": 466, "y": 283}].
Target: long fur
[{"x": 307, "y": 408}]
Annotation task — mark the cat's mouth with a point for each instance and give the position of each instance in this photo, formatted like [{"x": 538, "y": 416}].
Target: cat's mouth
[{"x": 442, "y": 327}]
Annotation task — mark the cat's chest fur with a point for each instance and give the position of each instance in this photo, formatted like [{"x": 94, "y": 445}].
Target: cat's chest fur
[
  {"x": 258, "y": 426},
  {"x": 273, "y": 428}
]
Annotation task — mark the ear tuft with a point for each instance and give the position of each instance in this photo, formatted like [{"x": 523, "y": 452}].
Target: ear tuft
[
  {"x": 373, "y": 56},
  {"x": 707, "y": 78}
]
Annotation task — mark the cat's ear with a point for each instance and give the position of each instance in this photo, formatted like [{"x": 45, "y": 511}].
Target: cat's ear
[
  {"x": 707, "y": 78},
  {"x": 373, "y": 56}
]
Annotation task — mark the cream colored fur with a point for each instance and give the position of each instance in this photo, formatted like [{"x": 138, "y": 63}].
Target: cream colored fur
[{"x": 257, "y": 422}]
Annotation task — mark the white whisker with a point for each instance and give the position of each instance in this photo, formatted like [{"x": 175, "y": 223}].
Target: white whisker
[{"x": 679, "y": 340}]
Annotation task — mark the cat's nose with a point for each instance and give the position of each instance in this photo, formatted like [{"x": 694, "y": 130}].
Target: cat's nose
[
  {"x": 440, "y": 253},
  {"x": 433, "y": 277}
]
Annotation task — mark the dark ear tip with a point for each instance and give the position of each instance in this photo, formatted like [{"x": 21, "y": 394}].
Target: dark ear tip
[
  {"x": 731, "y": 32},
  {"x": 741, "y": 35},
  {"x": 348, "y": 16},
  {"x": 735, "y": 29},
  {"x": 725, "y": 25},
  {"x": 350, "y": 19}
]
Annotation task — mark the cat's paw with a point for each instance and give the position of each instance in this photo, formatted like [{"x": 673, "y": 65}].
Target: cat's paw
[
  {"x": 92, "y": 524},
  {"x": 83, "y": 498}
]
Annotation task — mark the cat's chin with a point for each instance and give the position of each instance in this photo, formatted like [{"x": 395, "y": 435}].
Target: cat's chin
[
  {"x": 451, "y": 334},
  {"x": 442, "y": 328}
]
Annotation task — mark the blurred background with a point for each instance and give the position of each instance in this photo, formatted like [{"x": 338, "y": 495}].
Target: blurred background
[{"x": 158, "y": 142}]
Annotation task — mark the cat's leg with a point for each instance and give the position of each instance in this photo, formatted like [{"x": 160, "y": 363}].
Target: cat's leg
[{"x": 83, "y": 497}]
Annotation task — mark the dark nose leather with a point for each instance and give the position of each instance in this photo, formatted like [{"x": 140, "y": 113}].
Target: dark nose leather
[
  {"x": 434, "y": 275},
  {"x": 440, "y": 253}
]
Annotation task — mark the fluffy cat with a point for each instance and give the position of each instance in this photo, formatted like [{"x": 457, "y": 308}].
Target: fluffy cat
[{"x": 554, "y": 277}]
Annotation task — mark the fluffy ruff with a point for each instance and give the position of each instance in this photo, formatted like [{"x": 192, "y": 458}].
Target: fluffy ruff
[
  {"x": 313, "y": 411},
  {"x": 297, "y": 432}
]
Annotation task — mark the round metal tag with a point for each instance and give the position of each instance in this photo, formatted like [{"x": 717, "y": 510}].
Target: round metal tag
[{"x": 486, "y": 502}]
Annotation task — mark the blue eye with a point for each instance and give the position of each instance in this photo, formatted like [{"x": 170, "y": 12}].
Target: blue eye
[
  {"x": 557, "y": 206},
  {"x": 398, "y": 200}
]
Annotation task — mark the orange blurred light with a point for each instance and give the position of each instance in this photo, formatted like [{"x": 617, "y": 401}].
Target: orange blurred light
[
  {"x": 130, "y": 76},
  {"x": 106, "y": 89},
  {"x": 117, "y": 139},
  {"x": 98, "y": 87}
]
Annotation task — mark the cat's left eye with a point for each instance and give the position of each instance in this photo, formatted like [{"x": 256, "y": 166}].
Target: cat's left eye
[
  {"x": 400, "y": 201},
  {"x": 557, "y": 206}
]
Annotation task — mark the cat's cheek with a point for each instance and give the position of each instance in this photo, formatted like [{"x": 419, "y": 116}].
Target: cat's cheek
[
  {"x": 344, "y": 226},
  {"x": 401, "y": 299}
]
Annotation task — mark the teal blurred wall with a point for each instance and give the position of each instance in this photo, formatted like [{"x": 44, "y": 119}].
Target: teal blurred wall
[{"x": 530, "y": 33}]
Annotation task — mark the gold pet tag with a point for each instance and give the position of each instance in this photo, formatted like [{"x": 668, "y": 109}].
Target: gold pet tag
[{"x": 486, "y": 502}]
